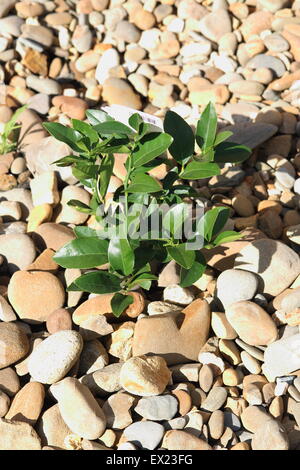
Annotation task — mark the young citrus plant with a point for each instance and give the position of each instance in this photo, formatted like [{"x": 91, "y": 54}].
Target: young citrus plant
[{"x": 126, "y": 241}]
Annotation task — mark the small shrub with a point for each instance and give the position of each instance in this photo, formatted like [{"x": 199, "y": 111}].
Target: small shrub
[
  {"x": 126, "y": 239},
  {"x": 8, "y": 138}
]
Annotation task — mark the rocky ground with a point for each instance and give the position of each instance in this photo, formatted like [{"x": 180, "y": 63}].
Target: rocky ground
[{"x": 226, "y": 367}]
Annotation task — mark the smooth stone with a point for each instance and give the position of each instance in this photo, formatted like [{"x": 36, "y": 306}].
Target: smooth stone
[
  {"x": 157, "y": 307},
  {"x": 276, "y": 265},
  {"x": 145, "y": 376},
  {"x": 79, "y": 409},
  {"x": 246, "y": 87},
  {"x": 254, "y": 418},
  {"x": 27, "y": 404},
  {"x": 104, "y": 381},
  {"x": 251, "y": 134},
  {"x": 215, "y": 399},
  {"x": 178, "y": 295},
  {"x": 43, "y": 85},
  {"x": 282, "y": 357},
  {"x": 58, "y": 320},
  {"x": 11, "y": 25},
  {"x": 15, "y": 435},
  {"x": 273, "y": 5},
  {"x": 22, "y": 196},
  {"x": 182, "y": 440},
  {"x": 176, "y": 337},
  {"x": 38, "y": 34},
  {"x": 31, "y": 130},
  {"x": 52, "y": 429},
  {"x": 252, "y": 323},
  {"x": 118, "y": 91},
  {"x": 14, "y": 344},
  {"x": 109, "y": 59},
  {"x": 276, "y": 43},
  {"x": 9, "y": 381},
  {"x": 34, "y": 307},
  {"x": 234, "y": 285},
  {"x": 117, "y": 410},
  {"x": 215, "y": 25},
  {"x": 6, "y": 6},
  {"x": 271, "y": 436},
  {"x": 52, "y": 235},
  {"x": 41, "y": 155},
  {"x": 6, "y": 312},
  {"x": 18, "y": 249},
  {"x": 4, "y": 403},
  {"x": 157, "y": 408},
  {"x": 93, "y": 357},
  {"x": 145, "y": 434},
  {"x": 270, "y": 62},
  {"x": 55, "y": 356}
]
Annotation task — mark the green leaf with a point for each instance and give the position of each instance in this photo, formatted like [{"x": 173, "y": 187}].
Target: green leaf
[
  {"x": 121, "y": 255},
  {"x": 170, "y": 178},
  {"x": 207, "y": 128},
  {"x": 150, "y": 146},
  {"x": 85, "y": 232},
  {"x": 119, "y": 303},
  {"x": 11, "y": 124},
  {"x": 197, "y": 170},
  {"x": 113, "y": 127},
  {"x": 82, "y": 253},
  {"x": 67, "y": 160},
  {"x": 227, "y": 236},
  {"x": 96, "y": 116},
  {"x": 221, "y": 137},
  {"x": 191, "y": 275},
  {"x": 86, "y": 130},
  {"x": 65, "y": 134},
  {"x": 143, "y": 184},
  {"x": 142, "y": 280},
  {"x": 106, "y": 170},
  {"x": 212, "y": 222},
  {"x": 135, "y": 120},
  {"x": 175, "y": 217},
  {"x": 97, "y": 282},
  {"x": 181, "y": 255},
  {"x": 231, "y": 152},
  {"x": 80, "y": 206},
  {"x": 183, "y": 137}
]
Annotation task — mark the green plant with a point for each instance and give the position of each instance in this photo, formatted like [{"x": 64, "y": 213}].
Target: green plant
[
  {"x": 8, "y": 140},
  {"x": 129, "y": 256}
]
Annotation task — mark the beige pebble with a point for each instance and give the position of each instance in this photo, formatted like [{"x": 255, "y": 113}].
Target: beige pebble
[{"x": 221, "y": 326}]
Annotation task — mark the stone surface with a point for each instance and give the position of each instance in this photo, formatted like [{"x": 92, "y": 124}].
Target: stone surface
[
  {"x": 276, "y": 265},
  {"x": 252, "y": 323},
  {"x": 27, "y": 404},
  {"x": 182, "y": 440},
  {"x": 157, "y": 408},
  {"x": 160, "y": 334},
  {"x": 18, "y": 249},
  {"x": 79, "y": 409},
  {"x": 14, "y": 344},
  {"x": 35, "y": 308},
  {"x": 145, "y": 376},
  {"x": 282, "y": 357},
  {"x": 234, "y": 285},
  {"x": 15, "y": 435},
  {"x": 272, "y": 436},
  {"x": 145, "y": 434},
  {"x": 55, "y": 356}
]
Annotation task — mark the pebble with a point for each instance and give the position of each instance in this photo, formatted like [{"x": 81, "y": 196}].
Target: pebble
[
  {"x": 145, "y": 434},
  {"x": 55, "y": 356},
  {"x": 52, "y": 428},
  {"x": 93, "y": 357},
  {"x": 79, "y": 409},
  {"x": 27, "y": 404},
  {"x": 117, "y": 410},
  {"x": 52, "y": 236},
  {"x": 15, "y": 435},
  {"x": 215, "y": 399},
  {"x": 276, "y": 265},
  {"x": 272, "y": 436},
  {"x": 234, "y": 285},
  {"x": 178, "y": 295},
  {"x": 182, "y": 440},
  {"x": 160, "y": 334},
  {"x": 69, "y": 214},
  {"x": 281, "y": 357},
  {"x": 207, "y": 25},
  {"x": 157, "y": 408},
  {"x": 118, "y": 91},
  {"x": 252, "y": 323},
  {"x": 4, "y": 404},
  {"x": 145, "y": 376},
  {"x": 43, "y": 85},
  {"x": 9, "y": 381},
  {"x": 33, "y": 308},
  {"x": 59, "y": 319},
  {"x": 14, "y": 344},
  {"x": 221, "y": 326},
  {"x": 18, "y": 250},
  {"x": 104, "y": 381}
]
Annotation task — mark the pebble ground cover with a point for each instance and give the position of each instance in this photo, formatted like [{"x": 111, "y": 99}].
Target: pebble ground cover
[{"x": 224, "y": 368}]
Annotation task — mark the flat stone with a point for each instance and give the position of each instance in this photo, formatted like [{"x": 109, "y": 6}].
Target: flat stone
[
  {"x": 145, "y": 434},
  {"x": 182, "y": 440},
  {"x": 251, "y": 134},
  {"x": 11, "y": 25},
  {"x": 272, "y": 63},
  {"x": 160, "y": 334},
  {"x": 52, "y": 429},
  {"x": 118, "y": 91},
  {"x": 37, "y": 33},
  {"x": 15, "y": 435},
  {"x": 55, "y": 356},
  {"x": 43, "y": 85},
  {"x": 9, "y": 381},
  {"x": 215, "y": 399},
  {"x": 157, "y": 408},
  {"x": 208, "y": 25},
  {"x": 14, "y": 344},
  {"x": 18, "y": 249},
  {"x": 276, "y": 265},
  {"x": 145, "y": 376},
  {"x": 104, "y": 381},
  {"x": 53, "y": 236},
  {"x": 117, "y": 410},
  {"x": 27, "y": 404},
  {"x": 271, "y": 436},
  {"x": 282, "y": 357}
]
